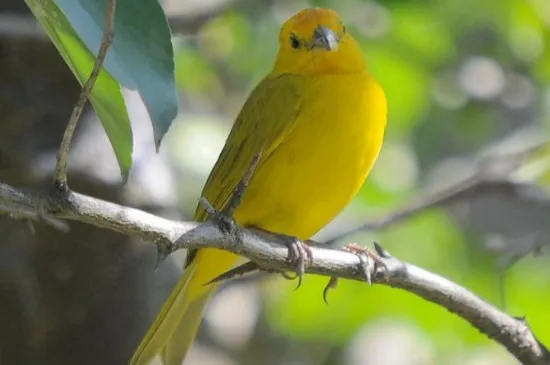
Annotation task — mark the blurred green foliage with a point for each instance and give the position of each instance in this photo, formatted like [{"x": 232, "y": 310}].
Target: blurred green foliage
[{"x": 458, "y": 75}]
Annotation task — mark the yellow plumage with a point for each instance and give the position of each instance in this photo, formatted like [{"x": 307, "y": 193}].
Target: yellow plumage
[{"x": 319, "y": 119}]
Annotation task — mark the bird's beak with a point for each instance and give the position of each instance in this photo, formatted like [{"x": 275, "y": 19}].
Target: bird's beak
[{"x": 324, "y": 38}]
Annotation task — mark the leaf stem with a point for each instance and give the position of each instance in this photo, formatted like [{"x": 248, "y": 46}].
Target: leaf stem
[{"x": 60, "y": 181}]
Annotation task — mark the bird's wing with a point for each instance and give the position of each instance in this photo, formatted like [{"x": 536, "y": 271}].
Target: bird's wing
[{"x": 266, "y": 119}]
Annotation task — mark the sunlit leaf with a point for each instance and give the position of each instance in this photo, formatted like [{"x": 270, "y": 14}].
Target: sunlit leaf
[
  {"x": 106, "y": 96},
  {"x": 141, "y": 56}
]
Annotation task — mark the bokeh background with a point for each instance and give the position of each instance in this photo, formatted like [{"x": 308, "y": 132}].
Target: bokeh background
[{"x": 464, "y": 79}]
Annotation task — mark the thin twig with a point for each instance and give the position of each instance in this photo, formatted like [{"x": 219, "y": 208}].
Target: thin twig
[
  {"x": 32, "y": 215},
  {"x": 493, "y": 175},
  {"x": 63, "y": 154},
  {"x": 439, "y": 198},
  {"x": 272, "y": 254},
  {"x": 467, "y": 188}
]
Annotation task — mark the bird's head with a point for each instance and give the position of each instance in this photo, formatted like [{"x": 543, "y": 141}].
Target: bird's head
[{"x": 314, "y": 42}]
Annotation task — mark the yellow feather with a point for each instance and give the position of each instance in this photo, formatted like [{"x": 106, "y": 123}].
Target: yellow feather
[{"x": 319, "y": 119}]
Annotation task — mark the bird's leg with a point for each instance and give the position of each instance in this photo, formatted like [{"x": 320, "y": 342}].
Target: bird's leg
[
  {"x": 369, "y": 263},
  {"x": 224, "y": 219}
]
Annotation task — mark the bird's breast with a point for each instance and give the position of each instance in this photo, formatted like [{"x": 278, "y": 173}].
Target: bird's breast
[{"x": 323, "y": 162}]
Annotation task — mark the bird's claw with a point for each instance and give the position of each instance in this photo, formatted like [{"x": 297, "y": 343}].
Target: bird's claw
[
  {"x": 332, "y": 284},
  {"x": 368, "y": 261},
  {"x": 298, "y": 253}
]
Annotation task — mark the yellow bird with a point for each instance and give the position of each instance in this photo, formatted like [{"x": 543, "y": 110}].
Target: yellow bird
[{"x": 319, "y": 119}]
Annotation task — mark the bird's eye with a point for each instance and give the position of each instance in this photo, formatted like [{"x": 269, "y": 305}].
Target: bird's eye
[{"x": 294, "y": 42}]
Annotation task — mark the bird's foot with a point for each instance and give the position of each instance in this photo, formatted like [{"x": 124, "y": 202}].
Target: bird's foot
[
  {"x": 226, "y": 224},
  {"x": 223, "y": 220},
  {"x": 369, "y": 262},
  {"x": 299, "y": 253}
]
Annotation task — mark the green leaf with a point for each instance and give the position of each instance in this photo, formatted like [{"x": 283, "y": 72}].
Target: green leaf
[
  {"x": 141, "y": 56},
  {"x": 106, "y": 96}
]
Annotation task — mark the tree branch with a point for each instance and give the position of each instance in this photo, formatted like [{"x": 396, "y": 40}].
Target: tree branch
[
  {"x": 492, "y": 175},
  {"x": 271, "y": 254}
]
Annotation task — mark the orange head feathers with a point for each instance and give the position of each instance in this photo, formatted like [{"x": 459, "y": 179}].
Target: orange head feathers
[{"x": 314, "y": 42}]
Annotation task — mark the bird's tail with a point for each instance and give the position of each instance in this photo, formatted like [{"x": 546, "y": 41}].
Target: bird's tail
[{"x": 174, "y": 329}]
